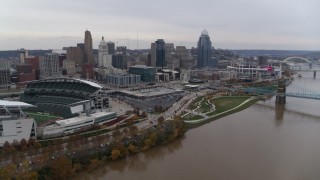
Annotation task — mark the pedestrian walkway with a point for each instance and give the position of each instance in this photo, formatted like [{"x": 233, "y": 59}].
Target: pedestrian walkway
[{"x": 219, "y": 114}]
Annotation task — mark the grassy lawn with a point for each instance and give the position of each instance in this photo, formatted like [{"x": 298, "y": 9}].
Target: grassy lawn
[
  {"x": 42, "y": 117},
  {"x": 193, "y": 105},
  {"x": 250, "y": 103},
  {"x": 192, "y": 117},
  {"x": 196, "y": 117},
  {"x": 204, "y": 107},
  {"x": 183, "y": 113},
  {"x": 225, "y": 103}
]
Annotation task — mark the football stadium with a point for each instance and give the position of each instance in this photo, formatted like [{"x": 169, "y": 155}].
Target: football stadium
[
  {"x": 65, "y": 105},
  {"x": 61, "y": 96}
]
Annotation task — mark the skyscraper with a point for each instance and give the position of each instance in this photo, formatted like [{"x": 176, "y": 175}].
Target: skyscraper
[
  {"x": 111, "y": 47},
  {"x": 158, "y": 53},
  {"x": 103, "y": 52},
  {"x": 5, "y": 80},
  {"x": 75, "y": 54},
  {"x": 49, "y": 65},
  {"x": 204, "y": 50},
  {"x": 88, "y": 51}
]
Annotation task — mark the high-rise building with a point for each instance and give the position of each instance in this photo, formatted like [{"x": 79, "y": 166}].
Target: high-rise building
[
  {"x": 122, "y": 49},
  {"x": 103, "y": 52},
  {"x": 111, "y": 47},
  {"x": 172, "y": 59},
  {"x": 119, "y": 61},
  {"x": 204, "y": 50},
  {"x": 186, "y": 59},
  {"x": 34, "y": 61},
  {"x": 49, "y": 65},
  {"x": 158, "y": 54},
  {"x": 153, "y": 54},
  {"x": 23, "y": 55},
  {"x": 75, "y": 54},
  {"x": 5, "y": 79},
  {"x": 88, "y": 51}
]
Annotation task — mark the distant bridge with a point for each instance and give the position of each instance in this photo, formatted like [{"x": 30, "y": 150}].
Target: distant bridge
[
  {"x": 304, "y": 95},
  {"x": 291, "y": 59},
  {"x": 304, "y": 69},
  {"x": 271, "y": 91},
  {"x": 260, "y": 90}
]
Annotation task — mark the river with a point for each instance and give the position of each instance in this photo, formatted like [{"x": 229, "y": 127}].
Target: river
[{"x": 263, "y": 142}]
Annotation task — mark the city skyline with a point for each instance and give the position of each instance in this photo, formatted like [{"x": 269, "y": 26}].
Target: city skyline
[{"x": 285, "y": 25}]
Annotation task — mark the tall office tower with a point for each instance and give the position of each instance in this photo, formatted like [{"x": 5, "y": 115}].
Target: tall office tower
[
  {"x": 111, "y": 47},
  {"x": 75, "y": 54},
  {"x": 122, "y": 49},
  {"x": 161, "y": 53},
  {"x": 204, "y": 50},
  {"x": 23, "y": 55},
  {"x": 103, "y": 52},
  {"x": 88, "y": 51},
  {"x": 81, "y": 45},
  {"x": 49, "y": 65},
  {"x": 186, "y": 59},
  {"x": 5, "y": 79},
  {"x": 158, "y": 53},
  {"x": 153, "y": 54},
  {"x": 119, "y": 61},
  {"x": 170, "y": 56}
]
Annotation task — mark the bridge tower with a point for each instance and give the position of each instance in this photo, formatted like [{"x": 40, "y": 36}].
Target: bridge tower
[
  {"x": 314, "y": 74},
  {"x": 281, "y": 91}
]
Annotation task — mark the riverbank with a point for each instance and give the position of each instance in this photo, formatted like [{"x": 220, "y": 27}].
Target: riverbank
[
  {"x": 209, "y": 109},
  {"x": 100, "y": 150}
]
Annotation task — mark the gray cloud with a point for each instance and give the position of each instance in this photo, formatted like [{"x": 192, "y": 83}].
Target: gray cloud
[{"x": 240, "y": 24}]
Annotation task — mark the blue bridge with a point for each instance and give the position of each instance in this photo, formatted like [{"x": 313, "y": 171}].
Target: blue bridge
[
  {"x": 303, "y": 95},
  {"x": 271, "y": 91},
  {"x": 260, "y": 90}
]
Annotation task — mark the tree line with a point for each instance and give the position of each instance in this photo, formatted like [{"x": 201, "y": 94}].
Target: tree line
[{"x": 129, "y": 141}]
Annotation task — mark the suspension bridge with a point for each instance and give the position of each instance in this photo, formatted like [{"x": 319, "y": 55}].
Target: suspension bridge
[{"x": 269, "y": 91}]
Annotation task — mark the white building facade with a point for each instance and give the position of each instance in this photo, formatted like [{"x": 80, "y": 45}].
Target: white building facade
[
  {"x": 103, "y": 56},
  {"x": 14, "y": 124},
  {"x": 49, "y": 66}
]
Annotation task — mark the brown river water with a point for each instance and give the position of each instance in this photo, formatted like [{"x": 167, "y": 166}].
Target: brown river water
[{"x": 263, "y": 142}]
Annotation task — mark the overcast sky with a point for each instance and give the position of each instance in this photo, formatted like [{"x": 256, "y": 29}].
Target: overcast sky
[{"x": 232, "y": 24}]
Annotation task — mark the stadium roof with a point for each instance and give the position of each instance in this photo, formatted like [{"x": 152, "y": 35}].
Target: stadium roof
[
  {"x": 191, "y": 86},
  {"x": 4, "y": 103},
  {"x": 90, "y": 83},
  {"x": 93, "y": 84}
]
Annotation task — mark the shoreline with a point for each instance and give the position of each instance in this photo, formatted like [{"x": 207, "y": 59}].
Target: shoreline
[{"x": 244, "y": 105}]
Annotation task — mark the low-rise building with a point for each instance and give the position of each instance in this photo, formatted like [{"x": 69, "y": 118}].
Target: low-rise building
[
  {"x": 123, "y": 80},
  {"x": 147, "y": 73},
  {"x": 72, "y": 125},
  {"x": 14, "y": 124}
]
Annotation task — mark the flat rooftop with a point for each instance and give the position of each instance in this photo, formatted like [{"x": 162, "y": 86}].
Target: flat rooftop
[
  {"x": 4, "y": 103},
  {"x": 79, "y": 119},
  {"x": 74, "y": 120},
  {"x": 149, "y": 92}
]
